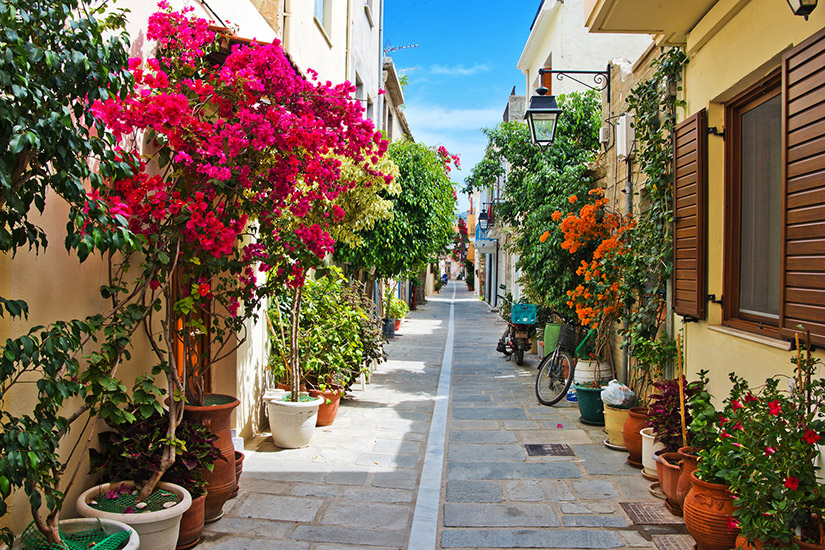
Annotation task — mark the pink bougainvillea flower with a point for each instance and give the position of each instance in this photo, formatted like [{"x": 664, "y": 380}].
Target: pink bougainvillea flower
[
  {"x": 775, "y": 407},
  {"x": 732, "y": 524},
  {"x": 792, "y": 483},
  {"x": 811, "y": 437},
  {"x": 769, "y": 451},
  {"x": 129, "y": 510},
  {"x": 559, "y": 425}
]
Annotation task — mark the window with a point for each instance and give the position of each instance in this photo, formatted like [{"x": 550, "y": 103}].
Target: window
[
  {"x": 753, "y": 223},
  {"x": 323, "y": 15}
]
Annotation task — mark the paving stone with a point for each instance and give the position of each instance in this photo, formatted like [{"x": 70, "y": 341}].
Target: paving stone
[
  {"x": 387, "y": 460},
  {"x": 372, "y": 515},
  {"x": 488, "y": 413},
  {"x": 589, "y": 508},
  {"x": 399, "y": 447},
  {"x": 509, "y": 470},
  {"x": 474, "y": 491},
  {"x": 552, "y": 434},
  {"x": 349, "y": 535},
  {"x": 279, "y": 508},
  {"x": 499, "y": 515},
  {"x": 236, "y": 543},
  {"x": 481, "y": 436},
  {"x": 475, "y": 425},
  {"x": 462, "y": 452},
  {"x": 597, "y": 460},
  {"x": 594, "y": 520},
  {"x": 378, "y": 495},
  {"x": 538, "y": 491},
  {"x": 634, "y": 539},
  {"x": 395, "y": 480},
  {"x": 345, "y": 478},
  {"x": 470, "y": 397},
  {"x": 312, "y": 490},
  {"x": 249, "y": 527},
  {"x": 529, "y": 538},
  {"x": 595, "y": 489},
  {"x": 514, "y": 425}
]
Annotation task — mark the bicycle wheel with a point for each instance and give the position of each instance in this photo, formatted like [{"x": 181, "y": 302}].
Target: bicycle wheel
[{"x": 554, "y": 377}]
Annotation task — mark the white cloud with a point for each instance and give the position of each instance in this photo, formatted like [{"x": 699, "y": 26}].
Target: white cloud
[{"x": 459, "y": 70}]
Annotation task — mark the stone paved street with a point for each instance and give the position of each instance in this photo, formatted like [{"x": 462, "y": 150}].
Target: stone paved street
[{"x": 357, "y": 484}]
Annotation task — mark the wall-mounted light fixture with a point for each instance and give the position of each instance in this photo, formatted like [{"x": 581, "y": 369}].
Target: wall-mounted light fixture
[
  {"x": 802, "y": 7},
  {"x": 543, "y": 112}
]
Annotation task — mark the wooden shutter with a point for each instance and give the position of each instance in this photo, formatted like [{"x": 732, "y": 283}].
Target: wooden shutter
[
  {"x": 689, "y": 209},
  {"x": 802, "y": 300}
]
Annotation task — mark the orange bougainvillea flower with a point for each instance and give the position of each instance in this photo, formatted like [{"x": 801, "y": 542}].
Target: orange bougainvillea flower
[
  {"x": 556, "y": 216},
  {"x": 572, "y": 199},
  {"x": 544, "y": 236}
]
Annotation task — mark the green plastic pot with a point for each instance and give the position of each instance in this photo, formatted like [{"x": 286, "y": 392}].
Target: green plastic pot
[{"x": 591, "y": 407}]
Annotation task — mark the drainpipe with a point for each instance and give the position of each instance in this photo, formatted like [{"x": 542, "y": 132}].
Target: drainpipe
[
  {"x": 379, "y": 106},
  {"x": 628, "y": 206},
  {"x": 349, "y": 39},
  {"x": 287, "y": 20}
]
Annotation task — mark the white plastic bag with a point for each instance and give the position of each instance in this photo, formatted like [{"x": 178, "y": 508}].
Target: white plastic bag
[{"x": 618, "y": 395}]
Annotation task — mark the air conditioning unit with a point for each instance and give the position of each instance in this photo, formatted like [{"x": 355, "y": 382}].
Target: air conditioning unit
[{"x": 625, "y": 136}]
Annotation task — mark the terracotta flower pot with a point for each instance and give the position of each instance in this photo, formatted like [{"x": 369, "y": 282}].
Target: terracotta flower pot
[
  {"x": 191, "y": 524},
  {"x": 808, "y": 545},
  {"x": 636, "y": 420},
  {"x": 239, "y": 456},
  {"x": 689, "y": 465},
  {"x": 329, "y": 408},
  {"x": 669, "y": 473},
  {"x": 215, "y": 415},
  {"x": 397, "y": 325},
  {"x": 707, "y": 511}
]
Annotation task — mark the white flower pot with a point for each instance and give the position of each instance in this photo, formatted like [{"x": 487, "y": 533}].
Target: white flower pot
[
  {"x": 587, "y": 371},
  {"x": 648, "y": 449},
  {"x": 157, "y": 530},
  {"x": 819, "y": 463},
  {"x": 110, "y": 526},
  {"x": 292, "y": 424}
]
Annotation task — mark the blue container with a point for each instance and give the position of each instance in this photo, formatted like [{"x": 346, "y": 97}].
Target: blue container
[{"x": 523, "y": 314}]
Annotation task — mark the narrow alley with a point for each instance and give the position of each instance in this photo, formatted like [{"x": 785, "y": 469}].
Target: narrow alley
[{"x": 432, "y": 455}]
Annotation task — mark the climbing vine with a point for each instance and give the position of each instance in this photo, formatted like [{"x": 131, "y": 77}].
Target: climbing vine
[{"x": 650, "y": 265}]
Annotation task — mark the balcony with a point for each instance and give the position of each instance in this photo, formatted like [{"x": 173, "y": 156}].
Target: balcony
[{"x": 672, "y": 21}]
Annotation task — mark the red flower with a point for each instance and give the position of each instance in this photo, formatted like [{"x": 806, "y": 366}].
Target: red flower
[
  {"x": 750, "y": 398},
  {"x": 724, "y": 434},
  {"x": 734, "y": 404},
  {"x": 791, "y": 483},
  {"x": 732, "y": 524},
  {"x": 811, "y": 437},
  {"x": 738, "y": 426},
  {"x": 722, "y": 420},
  {"x": 769, "y": 451},
  {"x": 775, "y": 407},
  {"x": 203, "y": 289}
]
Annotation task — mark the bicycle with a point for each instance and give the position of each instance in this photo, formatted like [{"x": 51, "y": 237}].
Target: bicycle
[{"x": 556, "y": 370}]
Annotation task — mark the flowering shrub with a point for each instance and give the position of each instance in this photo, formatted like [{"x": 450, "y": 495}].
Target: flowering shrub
[
  {"x": 597, "y": 300},
  {"x": 765, "y": 451},
  {"x": 238, "y": 181}
]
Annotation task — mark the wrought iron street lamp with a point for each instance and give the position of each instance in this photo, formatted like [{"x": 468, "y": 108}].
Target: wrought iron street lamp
[
  {"x": 542, "y": 116},
  {"x": 802, "y": 7},
  {"x": 483, "y": 220},
  {"x": 543, "y": 113}
]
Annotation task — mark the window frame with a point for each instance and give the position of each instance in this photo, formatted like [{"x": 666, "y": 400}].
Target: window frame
[{"x": 764, "y": 90}]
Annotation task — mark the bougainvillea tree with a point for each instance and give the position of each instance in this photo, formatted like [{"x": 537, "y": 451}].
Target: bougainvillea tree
[{"x": 237, "y": 184}]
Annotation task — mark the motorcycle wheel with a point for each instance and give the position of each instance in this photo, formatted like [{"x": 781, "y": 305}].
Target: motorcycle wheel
[{"x": 519, "y": 356}]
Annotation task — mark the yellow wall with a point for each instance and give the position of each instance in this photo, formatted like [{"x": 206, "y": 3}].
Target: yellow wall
[{"x": 729, "y": 50}]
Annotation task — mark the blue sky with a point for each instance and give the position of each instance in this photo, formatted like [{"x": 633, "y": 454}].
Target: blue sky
[{"x": 463, "y": 71}]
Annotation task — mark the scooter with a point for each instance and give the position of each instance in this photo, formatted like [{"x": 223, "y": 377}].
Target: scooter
[{"x": 516, "y": 338}]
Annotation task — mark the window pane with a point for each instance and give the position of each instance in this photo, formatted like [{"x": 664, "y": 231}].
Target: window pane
[
  {"x": 759, "y": 267},
  {"x": 319, "y": 10}
]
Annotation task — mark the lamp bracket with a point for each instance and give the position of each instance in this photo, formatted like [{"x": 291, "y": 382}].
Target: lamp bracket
[
  {"x": 601, "y": 79},
  {"x": 713, "y": 130}
]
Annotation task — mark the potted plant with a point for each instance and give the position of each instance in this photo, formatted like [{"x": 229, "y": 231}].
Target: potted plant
[
  {"x": 396, "y": 309},
  {"x": 331, "y": 337},
  {"x": 134, "y": 451},
  {"x": 591, "y": 408},
  {"x": 769, "y": 436}
]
